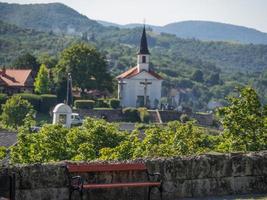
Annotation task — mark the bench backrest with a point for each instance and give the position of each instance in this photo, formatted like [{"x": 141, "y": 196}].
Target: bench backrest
[{"x": 106, "y": 167}]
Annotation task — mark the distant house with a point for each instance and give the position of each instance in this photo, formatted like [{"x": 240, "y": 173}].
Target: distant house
[{"x": 16, "y": 81}]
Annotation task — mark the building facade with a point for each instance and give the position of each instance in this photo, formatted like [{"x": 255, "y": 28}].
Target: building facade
[{"x": 140, "y": 86}]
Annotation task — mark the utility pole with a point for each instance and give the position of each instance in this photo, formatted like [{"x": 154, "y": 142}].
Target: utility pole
[{"x": 69, "y": 90}]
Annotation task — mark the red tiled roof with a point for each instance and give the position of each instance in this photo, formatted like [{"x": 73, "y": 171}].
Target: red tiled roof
[
  {"x": 134, "y": 71},
  {"x": 14, "y": 77}
]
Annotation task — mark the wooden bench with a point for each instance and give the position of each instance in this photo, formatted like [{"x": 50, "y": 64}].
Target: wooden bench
[{"x": 76, "y": 183}]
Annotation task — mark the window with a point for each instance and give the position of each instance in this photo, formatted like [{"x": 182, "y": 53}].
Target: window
[{"x": 143, "y": 59}]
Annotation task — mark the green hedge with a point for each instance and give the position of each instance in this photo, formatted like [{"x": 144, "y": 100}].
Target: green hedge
[
  {"x": 131, "y": 115},
  {"x": 101, "y": 103},
  {"x": 114, "y": 103},
  {"x": 143, "y": 115},
  {"x": 34, "y": 99},
  {"x": 84, "y": 104},
  {"x": 48, "y": 102}
]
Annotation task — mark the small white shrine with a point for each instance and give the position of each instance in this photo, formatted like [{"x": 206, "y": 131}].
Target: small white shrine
[
  {"x": 140, "y": 86},
  {"x": 62, "y": 115}
]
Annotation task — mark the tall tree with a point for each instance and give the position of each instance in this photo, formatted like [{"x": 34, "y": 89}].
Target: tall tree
[
  {"x": 243, "y": 122},
  {"x": 87, "y": 66},
  {"x": 26, "y": 61},
  {"x": 42, "y": 82}
]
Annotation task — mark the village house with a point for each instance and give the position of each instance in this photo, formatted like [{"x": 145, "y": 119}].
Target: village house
[
  {"x": 140, "y": 86},
  {"x": 16, "y": 81}
]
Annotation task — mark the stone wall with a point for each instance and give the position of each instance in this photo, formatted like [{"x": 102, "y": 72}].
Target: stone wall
[{"x": 196, "y": 176}]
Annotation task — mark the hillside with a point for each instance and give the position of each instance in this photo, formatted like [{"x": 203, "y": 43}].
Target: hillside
[
  {"x": 223, "y": 65},
  {"x": 15, "y": 41},
  {"x": 205, "y": 30},
  {"x": 54, "y": 17}
]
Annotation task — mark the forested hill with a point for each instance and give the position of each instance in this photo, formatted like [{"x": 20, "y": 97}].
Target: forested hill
[
  {"x": 54, "y": 17},
  {"x": 205, "y": 30}
]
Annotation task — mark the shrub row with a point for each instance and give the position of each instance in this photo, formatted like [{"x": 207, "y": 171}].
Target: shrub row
[
  {"x": 41, "y": 103},
  {"x": 99, "y": 103}
]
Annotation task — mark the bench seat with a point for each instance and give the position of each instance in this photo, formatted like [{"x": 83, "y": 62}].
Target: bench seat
[{"x": 118, "y": 185}]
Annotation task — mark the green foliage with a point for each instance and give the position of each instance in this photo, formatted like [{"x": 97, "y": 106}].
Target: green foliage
[
  {"x": 15, "y": 110},
  {"x": 34, "y": 99},
  {"x": 198, "y": 76},
  {"x": 2, "y": 152},
  {"x": 131, "y": 115},
  {"x": 184, "y": 118},
  {"x": 48, "y": 101},
  {"x": 84, "y": 104},
  {"x": 42, "y": 83},
  {"x": 55, "y": 143},
  {"x": 87, "y": 67},
  {"x": 101, "y": 103},
  {"x": 114, "y": 103},
  {"x": 3, "y": 98},
  {"x": 143, "y": 115},
  {"x": 244, "y": 122},
  {"x": 26, "y": 61}
]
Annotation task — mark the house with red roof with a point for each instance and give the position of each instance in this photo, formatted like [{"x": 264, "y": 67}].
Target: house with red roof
[
  {"x": 16, "y": 81},
  {"x": 140, "y": 86}
]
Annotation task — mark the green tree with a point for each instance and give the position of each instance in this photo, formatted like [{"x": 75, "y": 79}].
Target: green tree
[
  {"x": 26, "y": 61},
  {"x": 198, "y": 76},
  {"x": 87, "y": 67},
  {"x": 42, "y": 82},
  {"x": 243, "y": 122},
  {"x": 15, "y": 110}
]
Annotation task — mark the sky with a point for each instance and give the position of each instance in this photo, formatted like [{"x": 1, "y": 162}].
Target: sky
[{"x": 249, "y": 13}]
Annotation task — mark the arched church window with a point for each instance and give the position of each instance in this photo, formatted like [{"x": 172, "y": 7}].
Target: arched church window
[{"x": 143, "y": 59}]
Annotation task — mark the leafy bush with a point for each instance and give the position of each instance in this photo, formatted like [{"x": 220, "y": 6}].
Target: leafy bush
[
  {"x": 2, "y": 153},
  {"x": 15, "y": 110},
  {"x": 184, "y": 118},
  {"x": 101, "y": 103},
  {"x": 84, "y": 104},
  {"x": 131, "y": 114},
  {"x": 143, "y": 115},
  {"x": 48, "y": 101},
  {"x": 114, "y": 103},
  {"x": 34, "y": 99},
  {"x": 3, "y": 99}
]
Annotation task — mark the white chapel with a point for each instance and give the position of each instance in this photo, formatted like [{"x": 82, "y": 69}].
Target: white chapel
[{"x": 140, "y": 86}]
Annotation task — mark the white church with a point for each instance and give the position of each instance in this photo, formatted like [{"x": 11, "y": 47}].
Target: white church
[{"x": 140, "y": 86}]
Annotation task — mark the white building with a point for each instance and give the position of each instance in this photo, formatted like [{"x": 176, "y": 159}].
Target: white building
[{"x": 140, "y": 86}]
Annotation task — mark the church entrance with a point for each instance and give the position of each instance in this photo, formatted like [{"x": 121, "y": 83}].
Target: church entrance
[{"x": 140, "y": 102}]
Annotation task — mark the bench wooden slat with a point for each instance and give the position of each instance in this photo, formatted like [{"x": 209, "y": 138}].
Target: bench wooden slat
[
  {"x": 117, "y": 185},
  {"x": 105, "y": 167}
]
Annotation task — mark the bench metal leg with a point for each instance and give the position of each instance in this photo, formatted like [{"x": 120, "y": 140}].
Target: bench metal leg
[
  {"x": 149, "y": 192},
  {"x": 160, "y": 191},
  {"x": 70, "y": 194},
  {"x": 81, "y": 194}
]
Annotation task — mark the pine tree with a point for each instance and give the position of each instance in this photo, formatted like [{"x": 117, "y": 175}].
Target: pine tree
[{"x": 42, "y": 82}]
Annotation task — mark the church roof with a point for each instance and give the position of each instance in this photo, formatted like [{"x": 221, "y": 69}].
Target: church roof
[
  {"x": 143, "y": 45},
  {"x": 134, "y": 71}
]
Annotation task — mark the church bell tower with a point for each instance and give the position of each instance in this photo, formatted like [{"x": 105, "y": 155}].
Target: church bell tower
[{"x": 143, "y": 54}]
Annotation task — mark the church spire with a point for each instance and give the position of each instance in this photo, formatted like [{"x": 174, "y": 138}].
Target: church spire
[{"x": 143, "y": 45}]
